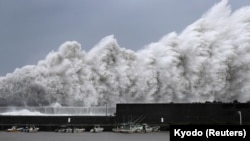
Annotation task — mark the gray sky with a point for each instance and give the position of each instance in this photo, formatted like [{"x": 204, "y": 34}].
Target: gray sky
[{"x": 30, "y": 29}]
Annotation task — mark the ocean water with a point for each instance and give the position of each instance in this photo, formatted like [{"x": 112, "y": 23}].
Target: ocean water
[{"x": 86, "y": 136}]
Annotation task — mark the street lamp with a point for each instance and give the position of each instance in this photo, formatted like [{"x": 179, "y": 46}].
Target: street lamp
[
  {"x": 106, "y": 109},
  {"x": 239, "y": 112}
]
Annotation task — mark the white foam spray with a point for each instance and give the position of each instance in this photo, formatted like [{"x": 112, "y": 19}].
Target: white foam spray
[{"x": 208, "y": 61}]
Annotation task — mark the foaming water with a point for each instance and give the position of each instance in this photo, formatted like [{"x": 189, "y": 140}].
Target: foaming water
[{"x": 208, "y": 61}]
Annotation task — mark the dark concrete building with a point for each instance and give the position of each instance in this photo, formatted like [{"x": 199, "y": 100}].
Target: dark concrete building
[{"x": 186, "y": 113}]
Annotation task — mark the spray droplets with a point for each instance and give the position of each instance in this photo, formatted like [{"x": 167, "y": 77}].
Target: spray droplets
[{"x": 208, "y": 61}]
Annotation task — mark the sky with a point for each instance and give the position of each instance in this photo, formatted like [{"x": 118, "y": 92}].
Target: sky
[{"x": 30, "y": 29}]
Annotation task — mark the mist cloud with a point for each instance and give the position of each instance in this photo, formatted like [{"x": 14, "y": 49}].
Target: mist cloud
[{"x": 209, "y": 60}]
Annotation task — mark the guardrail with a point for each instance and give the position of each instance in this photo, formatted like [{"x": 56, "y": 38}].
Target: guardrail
[{"x": 102, "y": 111}]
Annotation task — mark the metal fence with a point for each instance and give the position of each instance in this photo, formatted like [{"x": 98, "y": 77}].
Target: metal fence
[{"x": 102, "y": 111}]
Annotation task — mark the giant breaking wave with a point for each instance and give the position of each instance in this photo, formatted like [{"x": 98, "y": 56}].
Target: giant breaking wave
[{"x": 209, "y": 60}]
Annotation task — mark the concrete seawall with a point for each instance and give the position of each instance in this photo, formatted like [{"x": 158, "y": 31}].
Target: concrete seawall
[{"x": 154, "y": 114}]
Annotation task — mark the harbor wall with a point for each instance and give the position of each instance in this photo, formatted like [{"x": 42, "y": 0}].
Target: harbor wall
[
  {"x": 153, "y": 114},
  {"x": 50, "y": 123}
]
